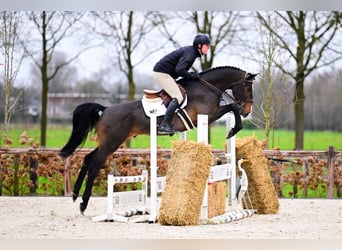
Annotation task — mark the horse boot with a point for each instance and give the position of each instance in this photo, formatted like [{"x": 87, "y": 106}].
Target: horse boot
[{"x": 164, "y": 127}]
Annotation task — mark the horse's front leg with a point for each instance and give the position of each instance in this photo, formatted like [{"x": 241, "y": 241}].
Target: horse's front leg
[
  {"x": 238, "y": 122},
  {"x": 229, "y": 108}
]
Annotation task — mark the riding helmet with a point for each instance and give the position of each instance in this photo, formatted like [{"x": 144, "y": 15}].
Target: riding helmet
[{"x": 201, "y": 39}]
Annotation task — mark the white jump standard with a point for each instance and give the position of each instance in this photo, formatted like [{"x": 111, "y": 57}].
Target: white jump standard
[
  {"x": 224, "y": 172},
  {"x": 135, "y": 198}
]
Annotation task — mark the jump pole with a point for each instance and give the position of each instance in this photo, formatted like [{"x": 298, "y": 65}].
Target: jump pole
[
  {"x": 202, "y": 136},
  {"x": 153, "y": 168},
  {"x": 231, "y": 158}
]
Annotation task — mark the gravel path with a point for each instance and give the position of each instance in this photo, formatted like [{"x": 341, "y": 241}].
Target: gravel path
[{"x": 59, "y": 218}]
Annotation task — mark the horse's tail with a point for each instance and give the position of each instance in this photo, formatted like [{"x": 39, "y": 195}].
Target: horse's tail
[{"x": 84, "y": 119}]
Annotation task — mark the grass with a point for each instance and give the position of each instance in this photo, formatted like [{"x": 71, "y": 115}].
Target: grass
[
  {"x": 320, "y": 192},
  {"x": 58, "y": 135}
]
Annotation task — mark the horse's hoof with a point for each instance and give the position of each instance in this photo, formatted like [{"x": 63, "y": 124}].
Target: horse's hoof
[
  {"x": 230, "y": 134},
  {"x": 82, "y": 208},
  {"x": 74, "y": 197},
  {"x": 170, "y": 133}
]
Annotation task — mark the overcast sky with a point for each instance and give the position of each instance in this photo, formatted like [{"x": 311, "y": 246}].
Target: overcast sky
[{"x": 93, "y": 60}]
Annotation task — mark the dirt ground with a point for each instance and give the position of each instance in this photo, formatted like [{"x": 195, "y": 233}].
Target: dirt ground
[{"x": 59, "y": 218}]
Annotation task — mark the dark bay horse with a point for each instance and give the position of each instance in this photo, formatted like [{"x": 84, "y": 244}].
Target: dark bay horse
[{"x": 119, "y": 122}]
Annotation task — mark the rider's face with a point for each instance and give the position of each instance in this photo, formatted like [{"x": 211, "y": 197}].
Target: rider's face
[{"x": 205, "y": 48}]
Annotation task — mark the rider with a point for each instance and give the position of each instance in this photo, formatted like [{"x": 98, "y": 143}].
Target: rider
[{"x": 173, "y": 65}]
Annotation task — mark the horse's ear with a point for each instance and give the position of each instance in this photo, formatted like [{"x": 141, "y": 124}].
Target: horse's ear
[{"x": 252, "y": 76}]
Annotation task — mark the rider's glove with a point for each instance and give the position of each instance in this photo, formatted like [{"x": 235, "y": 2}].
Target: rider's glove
[{"x": 194, "y": 75}]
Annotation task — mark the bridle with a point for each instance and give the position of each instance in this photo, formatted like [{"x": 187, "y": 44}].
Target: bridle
[{"x": 220, "y": 92}]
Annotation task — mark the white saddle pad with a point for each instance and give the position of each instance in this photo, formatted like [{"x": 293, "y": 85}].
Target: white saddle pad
[{"x": 155, "y": 106}]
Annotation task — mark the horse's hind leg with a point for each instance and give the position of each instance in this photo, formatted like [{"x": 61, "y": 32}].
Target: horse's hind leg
[
  {"x": 93, "y": 170},
  {"x": 77, "y": 186}
]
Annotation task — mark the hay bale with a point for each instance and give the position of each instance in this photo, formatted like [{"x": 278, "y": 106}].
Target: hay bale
[
  {"x": 186, "y": 178},
  {"x": 217, "y": 196},
  {"x": 260, "y": 187}
]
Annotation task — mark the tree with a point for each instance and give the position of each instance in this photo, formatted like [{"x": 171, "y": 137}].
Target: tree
[
  {"x": 12, "y": 63},
  {"x": 52, "y": 28},
  {"x": 307, "y": 38},
  {"x": 9, "y": 44},
  {"x": 126, "y": 31},
  {"x": 65, "y": 78},
  {"x": 323, "y": 103},
  {"x": 270, "y": 94},
  {"x": 221, "y": 27}
]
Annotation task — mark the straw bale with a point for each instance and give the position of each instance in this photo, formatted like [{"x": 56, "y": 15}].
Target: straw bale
[
  {"x": 260, "y": 186},
  {"x": 217, "y": 195},
  {"x": 186, "y": 178}
]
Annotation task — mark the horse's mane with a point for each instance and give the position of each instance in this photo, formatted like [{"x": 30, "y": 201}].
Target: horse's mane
[
  {"x": 184, "y": 80},
  {"x": 222, "y": 67}
]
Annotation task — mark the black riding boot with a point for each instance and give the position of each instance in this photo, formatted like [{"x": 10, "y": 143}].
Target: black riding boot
[{"x": 164, "y": 127}]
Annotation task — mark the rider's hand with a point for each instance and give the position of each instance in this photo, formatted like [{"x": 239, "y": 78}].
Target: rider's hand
[{"x": 194, "y": 75}]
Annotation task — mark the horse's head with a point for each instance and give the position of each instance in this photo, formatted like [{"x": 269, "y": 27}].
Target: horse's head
[
  {"x": 222, "y": 78},
  {"x": 243, "y": 94}
]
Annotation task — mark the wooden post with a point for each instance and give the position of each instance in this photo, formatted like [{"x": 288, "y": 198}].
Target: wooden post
[
  {"x": 33, "y": 175},
  {"x": 330, "y": 163},
  {"x": 67, "y": 178}
]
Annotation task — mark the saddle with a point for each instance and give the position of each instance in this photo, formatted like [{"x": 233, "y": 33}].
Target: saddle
[
  {"x": 156, "y": 101},
  {"x": 154, "y": 95}
]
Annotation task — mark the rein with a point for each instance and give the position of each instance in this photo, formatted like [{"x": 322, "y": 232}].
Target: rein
[
  {"x": 217, "y": 90},
  {"x": 220, "y": 92}
]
